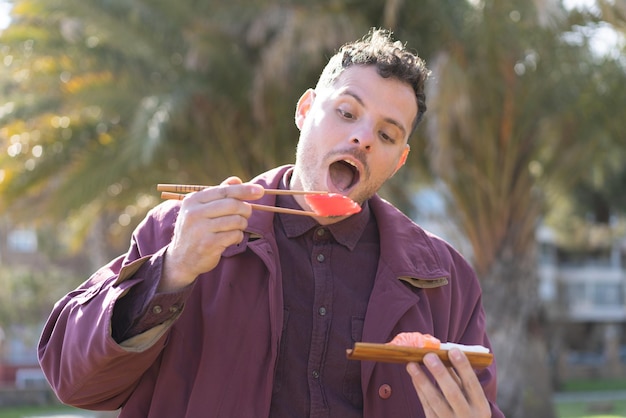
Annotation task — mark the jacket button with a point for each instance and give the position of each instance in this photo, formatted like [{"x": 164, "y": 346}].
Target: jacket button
[{"x": 384, "y": 391}]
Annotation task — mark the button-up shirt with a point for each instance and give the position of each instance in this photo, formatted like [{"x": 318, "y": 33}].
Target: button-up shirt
[{"x": 328, "y": 274}]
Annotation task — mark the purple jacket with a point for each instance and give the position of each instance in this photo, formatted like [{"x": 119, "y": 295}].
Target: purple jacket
[{"x": 215, "y": 351}]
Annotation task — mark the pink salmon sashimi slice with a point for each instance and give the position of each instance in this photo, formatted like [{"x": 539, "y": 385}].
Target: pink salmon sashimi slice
[
  {"x": 416, "y": 339},
  {"x": 419, "y": 340},
  {"x": 332, "y": 204}
]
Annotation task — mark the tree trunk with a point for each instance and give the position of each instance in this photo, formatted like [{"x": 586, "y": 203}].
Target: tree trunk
[{"x": 515, "y": 327}]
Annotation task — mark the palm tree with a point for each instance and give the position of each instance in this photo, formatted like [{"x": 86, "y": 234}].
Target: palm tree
[
  {"x": 123, "y": 95},
  {"x": 510, "y": 122},
  {"x": 108, "y": 98},
  {"x": 597, "y": 196}
]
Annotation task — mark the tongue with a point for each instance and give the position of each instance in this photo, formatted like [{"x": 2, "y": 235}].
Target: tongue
[{"x": 341, "y": 175}]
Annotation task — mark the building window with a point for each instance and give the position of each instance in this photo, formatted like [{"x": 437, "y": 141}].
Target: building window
[
  {"x": 608, "y": 294},
  {"x": 22, "y": 241}
]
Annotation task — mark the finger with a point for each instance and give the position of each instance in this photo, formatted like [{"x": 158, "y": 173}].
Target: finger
[
  {"x": 469, "y": 380},
  {"x": 431, "y": 398},
  {"x": 197, "y": 249},
  {"x": 455, "y": 376},
  {"x": 453, "y": 395},
  {"x": 417, "y": 378},
  {"x": 221, "y": 240},
  {"x": 216, "y": 209},
  {"x": 231, "y": 180},
  {"x": 227, "y": 223},
  {"x": 243, "y": 191},
  {"x": 197, "y": 232},
  {"x": 206, "y": 255}
]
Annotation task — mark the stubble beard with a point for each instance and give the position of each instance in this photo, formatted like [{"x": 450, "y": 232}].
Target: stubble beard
[{"x": 306, "y": 172}]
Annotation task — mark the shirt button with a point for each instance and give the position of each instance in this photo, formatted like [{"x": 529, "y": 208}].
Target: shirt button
[
  {"x": 322, "y": 310},
  {"x": 321, "y": 232},
  {"x": 384, "y": 391},
  {"x": 320, "y": 257},
  {"x": 174, "y": 309},
  {"x": 156, "y": 309},
  {"x": 316, "y": 374}
]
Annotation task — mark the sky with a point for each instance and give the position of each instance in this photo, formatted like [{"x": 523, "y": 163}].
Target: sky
[
  {"x": 604, "y": 40},
  {"x": 4, "y": 14}
]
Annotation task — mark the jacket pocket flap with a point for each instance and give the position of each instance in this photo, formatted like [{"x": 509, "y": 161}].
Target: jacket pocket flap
[{"x": 425, "y": 283}]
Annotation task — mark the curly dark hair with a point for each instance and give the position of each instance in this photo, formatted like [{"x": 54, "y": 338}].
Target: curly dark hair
[{"x": 391, "y": 59}]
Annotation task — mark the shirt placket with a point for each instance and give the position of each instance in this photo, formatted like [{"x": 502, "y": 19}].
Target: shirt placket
[{"x": 322, "y": 313}]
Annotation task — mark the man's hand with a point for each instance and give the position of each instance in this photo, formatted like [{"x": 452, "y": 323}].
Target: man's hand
[
  {"x": 459, "y": 393},
  {"x": 209, "y": 221}
]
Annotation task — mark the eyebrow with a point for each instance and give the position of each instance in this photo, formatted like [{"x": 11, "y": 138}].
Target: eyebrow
[{"x": 386, "y": 119}]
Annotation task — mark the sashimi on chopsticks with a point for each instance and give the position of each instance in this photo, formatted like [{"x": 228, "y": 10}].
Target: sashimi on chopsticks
[
  {"x": 332, "y": 204},
  {"x": 322, "y": 203}
]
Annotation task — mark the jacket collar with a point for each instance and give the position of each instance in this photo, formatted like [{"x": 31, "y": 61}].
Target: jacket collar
[{"x": 405, "y": 248}]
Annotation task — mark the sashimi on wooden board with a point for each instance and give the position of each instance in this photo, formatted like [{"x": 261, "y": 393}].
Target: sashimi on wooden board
[{"x": 413, "y": 346}]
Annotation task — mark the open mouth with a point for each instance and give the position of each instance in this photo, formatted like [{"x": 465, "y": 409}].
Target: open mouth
[{"x": 344, "y": 175}]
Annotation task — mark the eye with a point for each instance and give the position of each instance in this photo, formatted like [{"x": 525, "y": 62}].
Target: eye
[
  {"x": 386, "y": 137},
  {"x": 345, "y": 114}
]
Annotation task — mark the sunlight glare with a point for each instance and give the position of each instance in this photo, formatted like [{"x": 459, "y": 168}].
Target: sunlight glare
[{"x": 5, "y": 10}]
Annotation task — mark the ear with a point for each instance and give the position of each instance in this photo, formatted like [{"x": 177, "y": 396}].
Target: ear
[
  {"x": 304, "y": 105},
  {"x": 402, "y": 159}
]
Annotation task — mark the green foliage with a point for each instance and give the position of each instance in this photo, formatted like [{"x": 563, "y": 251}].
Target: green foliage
[
  {"x": 108, "y": 98},
  {"x": 594, "y": 385},
  {"x": 515, "y": 122},
  {"x": 617, "y": 409},
  {"x": 105, "y": 98},
  {"x": 28, "y": 294},
  {"x": 42, "y": 411}
]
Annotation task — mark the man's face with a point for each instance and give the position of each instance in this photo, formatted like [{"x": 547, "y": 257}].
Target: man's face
[{"x": 353, "y": 135}]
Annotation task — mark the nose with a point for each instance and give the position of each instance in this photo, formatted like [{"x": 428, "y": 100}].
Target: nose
[
  {"x": 363, "y": 135},
  {"x": 363, "y": 140},
  {"x": 361, "y": 144}
]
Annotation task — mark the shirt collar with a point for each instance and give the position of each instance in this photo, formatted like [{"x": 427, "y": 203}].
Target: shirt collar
[{"x": 346, "y": 232}]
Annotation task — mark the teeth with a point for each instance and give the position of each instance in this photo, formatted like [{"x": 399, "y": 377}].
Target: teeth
[{"x": 351, "y": 163}]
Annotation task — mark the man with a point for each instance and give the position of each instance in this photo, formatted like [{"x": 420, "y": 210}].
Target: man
[{"x": 221, "y": 311}]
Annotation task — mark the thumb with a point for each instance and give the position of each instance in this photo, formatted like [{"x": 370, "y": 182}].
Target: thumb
[{"x": 232, "y": 180}]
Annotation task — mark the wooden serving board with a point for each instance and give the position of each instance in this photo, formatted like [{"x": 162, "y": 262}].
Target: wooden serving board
[{"x": 389, "y": 353}]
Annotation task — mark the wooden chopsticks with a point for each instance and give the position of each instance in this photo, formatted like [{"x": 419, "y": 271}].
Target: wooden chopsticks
[
  {"x": 389, "y": 353},
  {"x": 188, "y": 188},
  {"x": 177, "y": 192}
]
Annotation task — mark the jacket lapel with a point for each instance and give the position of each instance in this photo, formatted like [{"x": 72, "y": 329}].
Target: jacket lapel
[{"x": 407, "y": 260}]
